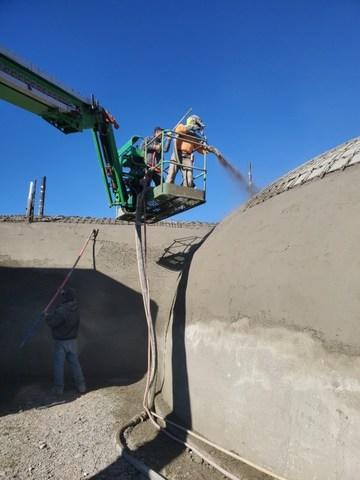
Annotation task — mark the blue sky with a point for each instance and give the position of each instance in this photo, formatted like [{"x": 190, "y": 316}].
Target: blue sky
[{"x": 276, "y": 82}]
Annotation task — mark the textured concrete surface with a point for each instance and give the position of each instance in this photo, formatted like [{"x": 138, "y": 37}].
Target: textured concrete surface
[
  {"x": 270, "y": 317},
  {"x": 333, "y": 160},
  {"x": 35, "y": 258}
]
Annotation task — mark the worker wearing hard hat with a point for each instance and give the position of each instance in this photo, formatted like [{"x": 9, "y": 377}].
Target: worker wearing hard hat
[{"x": 188, "y": 141}]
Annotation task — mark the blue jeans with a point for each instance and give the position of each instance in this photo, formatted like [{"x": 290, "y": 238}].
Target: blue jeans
[{"x": 67, "y": 349}]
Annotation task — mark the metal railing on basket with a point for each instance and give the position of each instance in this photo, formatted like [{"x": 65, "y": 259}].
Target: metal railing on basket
[{"x": 171, "y": 157}]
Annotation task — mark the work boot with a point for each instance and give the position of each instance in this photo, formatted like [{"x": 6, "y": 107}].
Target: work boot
[{"x": 81, "y": 388}]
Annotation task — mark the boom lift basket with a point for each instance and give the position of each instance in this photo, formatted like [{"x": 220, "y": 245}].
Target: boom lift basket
[{"x": 167, "y": 199}]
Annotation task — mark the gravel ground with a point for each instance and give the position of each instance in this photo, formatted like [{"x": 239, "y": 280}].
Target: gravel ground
[
  {"x": 71, "y": 437},
  {"x": 43, "y": 437}
]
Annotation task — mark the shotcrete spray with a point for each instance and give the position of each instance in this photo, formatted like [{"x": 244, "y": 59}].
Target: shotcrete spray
[{"x": 234, "y": 172}]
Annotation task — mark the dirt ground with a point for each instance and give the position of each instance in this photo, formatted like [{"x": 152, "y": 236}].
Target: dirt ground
[{"x": 43, "y": 437}]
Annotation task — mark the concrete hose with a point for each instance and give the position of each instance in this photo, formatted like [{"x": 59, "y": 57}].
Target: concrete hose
[
  {"x": 122, "y": 444},
  {"x": 141, "y": 249},
  {"x": 220, "y": 449}
]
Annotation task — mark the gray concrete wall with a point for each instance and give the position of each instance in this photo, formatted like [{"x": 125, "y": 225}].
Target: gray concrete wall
[
  {"x": 34, "y": 259},
  {"x": 267, "y": 329}
]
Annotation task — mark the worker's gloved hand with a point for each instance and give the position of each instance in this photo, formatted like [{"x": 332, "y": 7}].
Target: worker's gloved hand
[{"x": 168, "y": 134}]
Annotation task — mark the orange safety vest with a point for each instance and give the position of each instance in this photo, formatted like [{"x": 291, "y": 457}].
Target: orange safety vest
[{"x": 183, "y": 144}]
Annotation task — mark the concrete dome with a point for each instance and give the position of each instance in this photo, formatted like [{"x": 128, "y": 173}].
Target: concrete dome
[{"x": 272, "y": 335}]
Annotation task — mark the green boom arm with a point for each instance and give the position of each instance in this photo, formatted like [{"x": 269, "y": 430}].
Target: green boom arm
[{"x": 26, "y": 87}]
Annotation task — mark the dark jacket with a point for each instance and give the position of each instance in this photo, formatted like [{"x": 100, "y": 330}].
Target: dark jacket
[
  {"x": 153, "y": 150},
  {"x": 65, "y": 320}
]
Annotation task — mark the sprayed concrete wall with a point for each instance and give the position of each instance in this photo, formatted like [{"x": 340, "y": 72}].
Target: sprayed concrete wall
[
  {"x": 269, "y": 317},
  {"x": 258, "y": 319},
  {"x": 34, "y": 259}
]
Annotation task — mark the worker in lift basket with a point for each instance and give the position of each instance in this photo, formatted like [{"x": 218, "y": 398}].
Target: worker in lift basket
[
  {"x": 189, "y": 140},
  {"x": 64, "y": 323},
  {"x": 154, "y": 148}
]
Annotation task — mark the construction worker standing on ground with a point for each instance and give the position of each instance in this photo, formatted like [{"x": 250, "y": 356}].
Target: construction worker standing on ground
[
  {"x": 189, "y": 140},
  {"x": 64, "y": 323}
]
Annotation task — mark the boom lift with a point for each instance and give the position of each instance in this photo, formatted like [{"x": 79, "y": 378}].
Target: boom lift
[{"x": 122, "y": 169}]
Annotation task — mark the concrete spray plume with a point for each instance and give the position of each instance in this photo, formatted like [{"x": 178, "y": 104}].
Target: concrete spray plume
[{"x": 234, "y": 172}]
